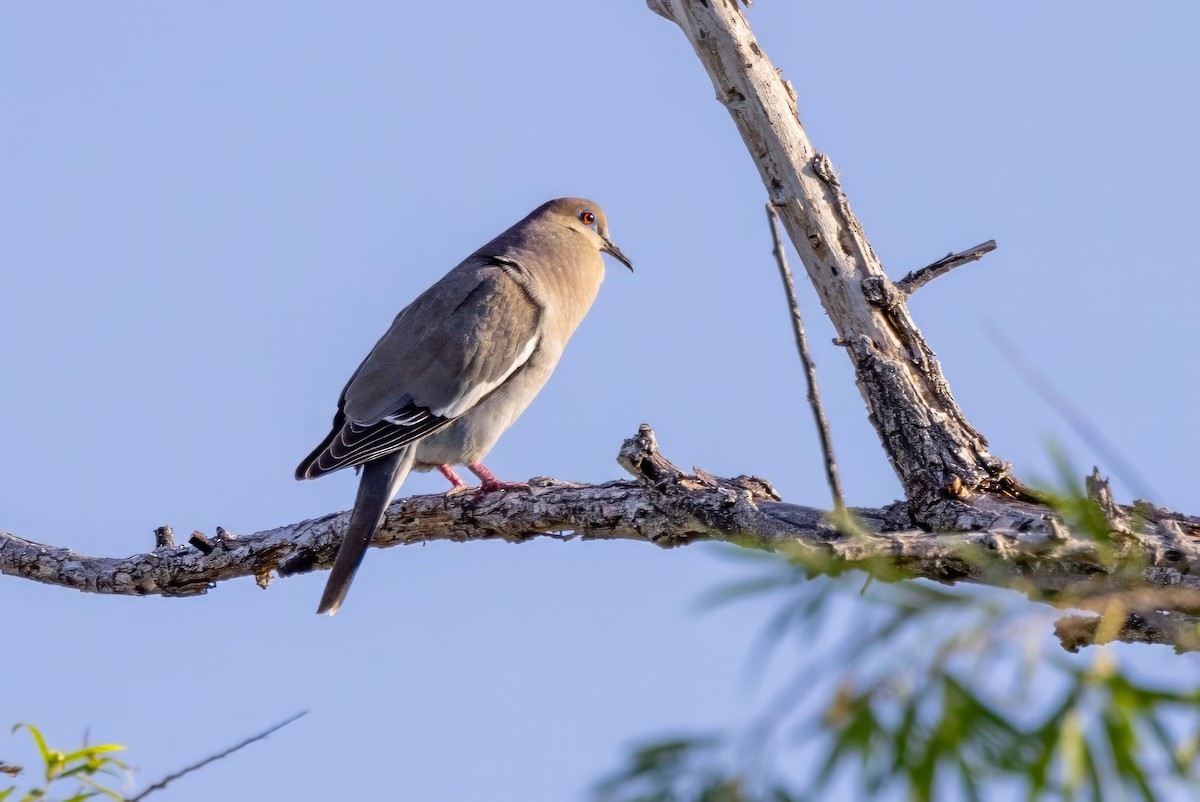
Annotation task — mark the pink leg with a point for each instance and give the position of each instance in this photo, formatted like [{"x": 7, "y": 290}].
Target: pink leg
[
  {"x": 449, "y": 473},
  {"x": 488, "y": 481}
]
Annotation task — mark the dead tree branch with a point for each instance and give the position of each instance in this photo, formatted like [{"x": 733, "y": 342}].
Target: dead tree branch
[
  {"x": 996, "y": 542},
  {"x": 919, "y": 278},
  {"x": 810, "y": 370},
  {"x": 952, "y": 484},
  {"x": 934, "y": 450}
]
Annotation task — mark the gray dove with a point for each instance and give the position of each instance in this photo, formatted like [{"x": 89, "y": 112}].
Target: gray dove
[{"x": 459, "y": 365}]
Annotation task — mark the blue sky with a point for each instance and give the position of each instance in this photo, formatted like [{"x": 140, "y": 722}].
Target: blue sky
[{"x": 210, "y": 211}]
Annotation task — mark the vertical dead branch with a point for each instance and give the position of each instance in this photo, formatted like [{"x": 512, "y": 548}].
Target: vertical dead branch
[
  {"x": 810, "y": 370},
  {"x": 934, "y": 450}
]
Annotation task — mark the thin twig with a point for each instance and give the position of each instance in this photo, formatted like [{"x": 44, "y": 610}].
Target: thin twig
[
  {"x": 810, "y": 370},
  {"x": 161, "y": 784},
  {"x": 919, "y": 278}
]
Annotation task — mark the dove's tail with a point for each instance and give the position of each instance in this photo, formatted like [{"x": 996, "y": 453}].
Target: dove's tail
[{"x": 380, "y": 480}]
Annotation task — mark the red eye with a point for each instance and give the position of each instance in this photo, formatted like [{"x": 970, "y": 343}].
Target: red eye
[{"x": 588, "y": 217}]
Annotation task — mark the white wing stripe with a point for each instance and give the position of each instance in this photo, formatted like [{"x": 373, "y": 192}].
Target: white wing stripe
[{"x": 470, "y": 396}]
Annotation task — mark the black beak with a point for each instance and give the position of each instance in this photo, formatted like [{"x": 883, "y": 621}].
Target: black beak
[{"x": 616, "y": 252}]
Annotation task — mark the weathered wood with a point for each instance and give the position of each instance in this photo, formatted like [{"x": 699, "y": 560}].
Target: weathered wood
[
  {"x": 932, "y": 447},
  {"x": 919, "y": 278},
  {"x": 997, "y": 542}
]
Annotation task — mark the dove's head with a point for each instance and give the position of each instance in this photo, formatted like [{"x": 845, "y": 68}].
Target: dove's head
[{"x": 586, "y": 218}]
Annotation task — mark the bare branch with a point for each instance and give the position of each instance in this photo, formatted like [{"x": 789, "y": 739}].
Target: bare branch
[
  {"x": 991, "y": 540},
  {"x": 919, "y": 278},
  {"x": 810, "y": 370},
  {"x": 161, "y": 784},
  {"x": 932, "y": 447}
]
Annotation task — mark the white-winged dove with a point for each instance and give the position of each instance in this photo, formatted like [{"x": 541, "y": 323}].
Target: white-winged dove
[{"x": 459, "y": 364}]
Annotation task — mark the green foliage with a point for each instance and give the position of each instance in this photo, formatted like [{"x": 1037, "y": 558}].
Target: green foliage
[
  {"x": 77, "y": 770},
  {"x": 941, "y": 693},
  {"x": 1106, "y": 736},
  {"x": 678, "y": 769}
]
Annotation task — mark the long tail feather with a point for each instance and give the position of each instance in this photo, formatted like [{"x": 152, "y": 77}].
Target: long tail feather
[{"x": 380, "y": 481}]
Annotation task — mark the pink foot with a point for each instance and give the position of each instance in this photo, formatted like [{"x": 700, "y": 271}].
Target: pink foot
[
  {"x": 488, "y": 483},
  {"x": 449, "y": 473}
]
